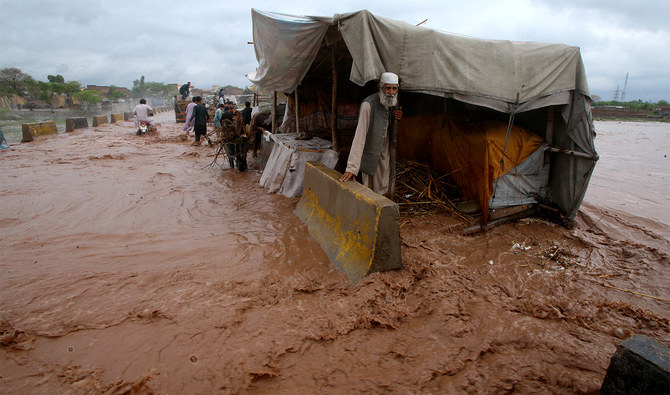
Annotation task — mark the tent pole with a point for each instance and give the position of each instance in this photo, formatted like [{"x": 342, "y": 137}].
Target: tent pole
[
  {"x": 297, "y": 114},
  {"x": 274, "y": 111},
  {"x": 393, "y": 139},
  {"x": 549, "y": 136},
  {"x": 333, "y": 107}
]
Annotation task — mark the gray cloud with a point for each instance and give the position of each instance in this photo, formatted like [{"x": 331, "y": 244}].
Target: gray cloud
[{"x": 105, "y": 42}]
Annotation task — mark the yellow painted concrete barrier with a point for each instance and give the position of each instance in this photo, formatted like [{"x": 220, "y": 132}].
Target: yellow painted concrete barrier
[
  {"x": 36, "y": 129},
  {"x": 357, "y": 228},
  {"x": 75, "y": 123},
  {"x": 128, "y": 116},
  {"x": 100, "y": 120},
  {"x": 114, "y": 118}
]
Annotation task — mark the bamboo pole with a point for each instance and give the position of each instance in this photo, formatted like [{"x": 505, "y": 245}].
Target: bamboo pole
[
  {"x": 297, "y": 114},
  {"x": 549, "y": 136},
  {"x": 274, "y": 111},
  {"x": 393, "y": 132},
  {"x": 333, "y": 107}
]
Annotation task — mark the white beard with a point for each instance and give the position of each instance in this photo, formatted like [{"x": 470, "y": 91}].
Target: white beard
[{"x": 387, "y": 101}]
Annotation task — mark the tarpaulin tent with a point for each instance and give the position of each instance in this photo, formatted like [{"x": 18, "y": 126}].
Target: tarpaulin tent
[{"x": 535, "y": 87}]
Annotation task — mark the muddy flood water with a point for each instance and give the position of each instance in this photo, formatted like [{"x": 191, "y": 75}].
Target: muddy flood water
[{"x": 128, "y": 265}]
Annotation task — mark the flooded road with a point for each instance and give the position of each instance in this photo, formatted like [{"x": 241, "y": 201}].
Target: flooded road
[
  {"x": 633, "y": 173},
  {"x": 129, "y": 265}
]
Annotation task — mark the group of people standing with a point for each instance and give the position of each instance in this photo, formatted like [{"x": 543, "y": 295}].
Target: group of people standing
[
  {"x": 196, "y": 119},
  {"x": 197, "y": 116}
]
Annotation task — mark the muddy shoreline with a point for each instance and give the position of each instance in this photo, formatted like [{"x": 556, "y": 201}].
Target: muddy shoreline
[{"x": 129, "y": 265}]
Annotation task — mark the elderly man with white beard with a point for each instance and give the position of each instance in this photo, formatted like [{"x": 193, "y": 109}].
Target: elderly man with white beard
[{"x": 370, "y": 149}]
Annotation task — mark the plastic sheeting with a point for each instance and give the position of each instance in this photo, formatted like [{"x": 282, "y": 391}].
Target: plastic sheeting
[
  {"x": 471, "y": 153},
  {"x": 285, "y": 169},
  {"x": 285, "y": 48},
  {"x": 474, "y": 156},
  {"x": 526, "y": 183}
]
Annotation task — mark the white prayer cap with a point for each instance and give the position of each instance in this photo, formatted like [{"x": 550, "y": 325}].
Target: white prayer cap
[{"x": 388, "y": 78}]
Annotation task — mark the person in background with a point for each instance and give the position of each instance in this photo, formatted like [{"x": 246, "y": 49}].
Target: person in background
[
  {"x": 199, "y": 118},
  {"x": 260, "y": 122},
  {"x": 175, "y": 102},
  {"x": 3, "y": 142},
  {"x": 246, "y": 116},
  {"x": 370, "y": 151},
  {"x": 189, "y": 111},
  {"x": 143, "y": 112},
  {"x": 218, "y": 115},
  {"x": 184, "y": 89}
]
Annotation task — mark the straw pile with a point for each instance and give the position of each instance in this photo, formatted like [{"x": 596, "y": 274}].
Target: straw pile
[{"x": 419, "y": 190}]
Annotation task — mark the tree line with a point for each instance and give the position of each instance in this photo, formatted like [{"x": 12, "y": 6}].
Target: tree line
[
  {"x": 13, "y": 81},
  {"x": 634, "y": 105}
]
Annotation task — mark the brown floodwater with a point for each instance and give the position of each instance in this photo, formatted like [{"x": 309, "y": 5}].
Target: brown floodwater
[
  {"x": 633, "y": 173},
  {"x": 130, "y": 265}
]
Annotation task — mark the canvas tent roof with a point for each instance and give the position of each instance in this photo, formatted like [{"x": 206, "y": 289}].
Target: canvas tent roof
[
  {"x": 492, "y": 73},
  {"x": 509, "y": 77}
]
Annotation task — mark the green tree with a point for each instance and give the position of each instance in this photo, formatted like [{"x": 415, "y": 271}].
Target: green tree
[
  {"x": 115, "y": 93},
  {"x": 88, "y": 96},
  {"x": 56, "y": 78},
  {"x": 71, "y": 87},
  {"x": 45, "y": 91},
  {"x": 139, "y": 90},
  {"x": 155, "y": 89},
  {"x": 662, "y": 103},
  {"x": 15, "y": 82},
  {"x": 158, "y": 89}
]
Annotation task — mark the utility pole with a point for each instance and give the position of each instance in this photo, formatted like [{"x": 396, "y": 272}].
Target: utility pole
[
  {"x": 623, "y": 92},
  {"x": 616, "y": 94}
]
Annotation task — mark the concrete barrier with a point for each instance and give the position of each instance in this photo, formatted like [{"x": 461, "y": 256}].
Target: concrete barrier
[
  {"x": 100, "y": 120},
  {"x": 128, "y": 116},
  {"x": 640, "y": 366},
  {"x": 75, "y": 123},
  {"x": 357, "y": 228},
  {"x": 114, "y": 118},
  {"x": 36, "y": 129}
]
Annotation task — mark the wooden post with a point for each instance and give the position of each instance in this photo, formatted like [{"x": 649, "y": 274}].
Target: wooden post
[
  {"x": 393, "y": 140},
  {"x": 549, "y": 137},
  {"x": 297, "y": 114},
  {"x": 274, "y": 112},
  {"x": 333, "y": 107}
]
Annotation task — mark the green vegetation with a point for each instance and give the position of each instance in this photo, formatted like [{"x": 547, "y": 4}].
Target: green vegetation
[
  {"x": 15, "y": 82},
  {"x": 45, "y": 90},
  {"x": 632, "y": 110},
  {"x": 115, "y": 93},
  {"x": 155, "y": 89},
  {"x": 635, "y": 105},
  {"x": 88, "y": 96},
  {"x": 56, "y": 78}
]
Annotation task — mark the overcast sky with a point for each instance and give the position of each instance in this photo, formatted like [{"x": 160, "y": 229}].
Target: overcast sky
[{"x": 115, "y": 42}]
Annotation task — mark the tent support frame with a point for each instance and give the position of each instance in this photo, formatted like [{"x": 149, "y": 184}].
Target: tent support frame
[
  {"x": 333, "y": 106},
  {"x": 274, "y": 112}
]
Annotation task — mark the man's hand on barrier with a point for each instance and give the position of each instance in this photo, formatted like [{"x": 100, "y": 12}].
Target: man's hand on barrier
[{"x": 347, "y": 176}]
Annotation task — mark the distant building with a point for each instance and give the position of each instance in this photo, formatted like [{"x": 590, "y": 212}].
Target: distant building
[{"x": 232, "y": 91}]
